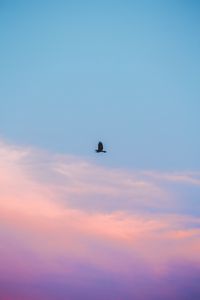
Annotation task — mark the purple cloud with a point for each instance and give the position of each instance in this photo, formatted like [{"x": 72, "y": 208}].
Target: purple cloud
[{"x": 70, "y": 229}]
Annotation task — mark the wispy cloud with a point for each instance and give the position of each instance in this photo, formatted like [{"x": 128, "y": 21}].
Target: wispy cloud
[{"x": 68, "y": 224}]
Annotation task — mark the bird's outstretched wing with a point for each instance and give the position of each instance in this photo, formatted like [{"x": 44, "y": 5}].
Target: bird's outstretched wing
[{"x": 100, "y": 146}]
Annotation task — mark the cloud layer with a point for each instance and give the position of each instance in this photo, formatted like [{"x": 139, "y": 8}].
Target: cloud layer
[{"x": 72, "y": 229}]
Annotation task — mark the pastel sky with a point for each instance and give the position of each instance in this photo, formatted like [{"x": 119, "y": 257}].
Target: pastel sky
[
  {"x": 75, "y": 224},
  {"x": 71, "y": 229}
]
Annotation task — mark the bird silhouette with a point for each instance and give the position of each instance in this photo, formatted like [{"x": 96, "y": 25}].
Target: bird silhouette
[{"x": 100, "y": 148}]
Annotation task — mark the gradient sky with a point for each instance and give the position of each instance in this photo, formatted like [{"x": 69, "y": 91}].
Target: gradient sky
[
  {"x": 75, "y": 225},
  {"x": 75, "y": 230}
]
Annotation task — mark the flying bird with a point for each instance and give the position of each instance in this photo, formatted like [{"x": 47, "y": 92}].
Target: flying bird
[{"x": 100, "y": 148}]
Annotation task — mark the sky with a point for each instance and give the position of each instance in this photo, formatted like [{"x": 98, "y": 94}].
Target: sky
[
  {"x": 74, "y": 72},
  {"x": 79, "y": 225}
]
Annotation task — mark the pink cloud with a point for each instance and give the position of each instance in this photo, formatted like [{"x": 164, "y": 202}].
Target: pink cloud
[{"x": 61, "y": 214}]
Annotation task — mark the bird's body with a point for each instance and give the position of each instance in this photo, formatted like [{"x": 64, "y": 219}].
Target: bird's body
[{"x": 100, "y": 148}]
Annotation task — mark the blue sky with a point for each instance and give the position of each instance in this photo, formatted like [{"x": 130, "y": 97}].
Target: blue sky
[{"x": 74, "y": 72}]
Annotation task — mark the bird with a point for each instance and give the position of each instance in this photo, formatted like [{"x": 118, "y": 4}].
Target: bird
[{"x": 100, "y": 148}]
